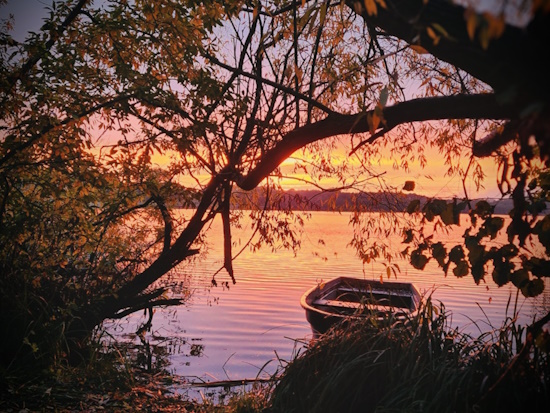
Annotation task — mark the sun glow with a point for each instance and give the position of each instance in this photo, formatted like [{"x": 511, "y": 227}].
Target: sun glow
[{"x": 387, "y": 172}]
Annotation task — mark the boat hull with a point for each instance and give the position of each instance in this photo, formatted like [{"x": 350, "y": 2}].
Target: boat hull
[{"x": 347, "y": 298}]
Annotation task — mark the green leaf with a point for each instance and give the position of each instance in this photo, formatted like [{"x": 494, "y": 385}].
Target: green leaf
[
  {"x": 436, "y": 206},
  {"x": 408, "y": 236},
  {"x": 478, "y": 272},
  {"x": 508, "y": 251},
  {"x": 491, "y": 227},
  {"x": 441, "y": 30},
  {"x": 448, "y": 215},
  {"x": 483, "y": 209},
  {"x": 520, "y": 277},
  {"x": 537, "y": 266},
  {"x": 502, "y": 272},
  {"x": 456, "y": 254},
  {"x": 476, "y": 251},
  {"x": 429, "y": 215}
]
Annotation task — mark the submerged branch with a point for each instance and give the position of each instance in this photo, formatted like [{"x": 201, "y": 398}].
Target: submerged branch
[{"x": 166, "y": 302}]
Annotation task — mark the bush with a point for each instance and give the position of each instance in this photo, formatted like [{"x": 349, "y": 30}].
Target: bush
[{"x": 414, "y": 365}]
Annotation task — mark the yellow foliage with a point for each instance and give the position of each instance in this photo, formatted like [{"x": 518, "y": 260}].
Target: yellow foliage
[
  {"x": 370, "y": 5},
  {"x": 488, "y": 25},
  {"x": 471, "y": 22},
  {"x": 433, "y": 35},
  {"x": 418, "y": 49},
  {"x": 495, "y": 25}
]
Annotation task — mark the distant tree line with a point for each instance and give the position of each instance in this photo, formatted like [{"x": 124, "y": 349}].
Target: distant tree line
[{"x": 318, "y": 200}]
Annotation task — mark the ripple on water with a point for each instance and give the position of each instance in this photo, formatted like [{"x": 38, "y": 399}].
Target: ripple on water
[{"x": 259, "y": 319}]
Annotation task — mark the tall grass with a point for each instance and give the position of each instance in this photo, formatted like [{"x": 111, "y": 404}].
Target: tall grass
[{"x": 419, "y": 364}]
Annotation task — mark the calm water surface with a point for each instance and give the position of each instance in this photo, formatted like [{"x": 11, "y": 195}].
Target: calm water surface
[{"x": 257, "y": 324}]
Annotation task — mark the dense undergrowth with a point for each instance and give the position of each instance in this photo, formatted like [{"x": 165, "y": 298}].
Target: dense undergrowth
[
  {"x": 414, "y": 365},
  {"x": 417, "y": 365}
]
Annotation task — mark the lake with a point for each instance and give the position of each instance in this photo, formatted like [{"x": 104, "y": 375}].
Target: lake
[{"x": 257, "y": 325}]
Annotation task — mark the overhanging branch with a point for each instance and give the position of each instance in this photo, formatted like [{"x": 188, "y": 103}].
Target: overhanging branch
[
  {"x": 408, "y": 20},
  {"x": 484, "y": 106}
]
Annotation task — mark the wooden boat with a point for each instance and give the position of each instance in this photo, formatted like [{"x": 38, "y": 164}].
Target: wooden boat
[{"x": 351, "y": 298}]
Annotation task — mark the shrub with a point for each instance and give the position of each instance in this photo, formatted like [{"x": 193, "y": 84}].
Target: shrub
[{"x": 415, "y": 365}]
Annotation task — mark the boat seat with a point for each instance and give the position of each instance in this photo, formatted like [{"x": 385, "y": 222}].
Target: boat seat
[
  {"x": 376, "y": 291},
  {"x": 351, "y": 305}
]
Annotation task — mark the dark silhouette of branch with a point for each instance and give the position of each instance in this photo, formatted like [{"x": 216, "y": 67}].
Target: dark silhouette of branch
[
  {"x": 484, "y": 106},
  {"x": 276, "y": 85},
  {"x": 408, "y": 20},
  {"x": 55, "y": 34},
  {"x": 168, "y": 225}
]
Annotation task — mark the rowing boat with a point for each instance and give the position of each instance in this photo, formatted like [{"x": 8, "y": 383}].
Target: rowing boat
[{"x": 351, "y": 298}]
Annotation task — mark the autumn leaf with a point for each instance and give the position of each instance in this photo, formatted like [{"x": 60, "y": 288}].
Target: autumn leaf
[
  {"x": 433, "y": 35},
  {"x": 439, "y": 252},
  {"x": 374, "y": 121},
  {"x": 520, "y": 277},
  {"x": 370, "y": 5},
  {"x": 418, "y": 49},
  {"x": 495, "y": 25},
  {"x": 448, "y": 215},
  {"x": 533, "y": 288},
  {"x": 456, "y": 254},
  {"x": 471, "y": 22},
  {"x": 461, "y": 269},
  {"x": 418, "y": 260},
  {"x": 409, "y": 186},
  {"x": 484, "y": 38}
]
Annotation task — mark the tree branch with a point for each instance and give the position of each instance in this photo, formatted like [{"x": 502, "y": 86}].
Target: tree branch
[
  {"x": 278, "y": 86},
  {"x": 408, "y": 20},
  {"x": 159, "y": 200},
  {"x": 165, "y": 302},
  {"x": 75, "y": 117},
  {"x": 55, "y": 34},
  {"x": 484, "y": 106},
  {"x": 226, "y": 221},
  {"x": 181, "y": 248}
]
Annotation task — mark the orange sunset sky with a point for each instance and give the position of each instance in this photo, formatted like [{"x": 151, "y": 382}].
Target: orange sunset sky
[{"x": 430, "y": 180}]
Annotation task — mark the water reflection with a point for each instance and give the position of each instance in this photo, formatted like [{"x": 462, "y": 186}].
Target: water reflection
[{"x": 257, "y": 325}]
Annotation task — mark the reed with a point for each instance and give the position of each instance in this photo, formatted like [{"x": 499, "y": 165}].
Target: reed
[{"x": 419, "y": 364}]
